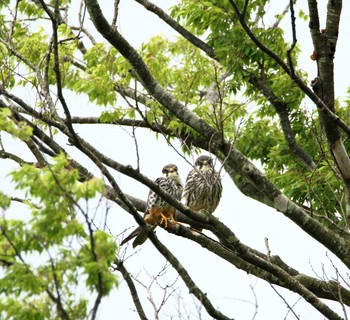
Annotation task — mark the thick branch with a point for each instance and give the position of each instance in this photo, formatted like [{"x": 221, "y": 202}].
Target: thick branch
[
  {"x": 308, "y": 91},
  {"x": 228, "y": 239},
  {"x": 13, "y": 157},
  {"x": 83, "y": 172},
  {"x": 145, "y": 77},
  {"x": 278, "y": 200},
  {"x": 323, "y": 289},
  {"x": 282, "y": 111},
  {"x": 324, "y": 46}
]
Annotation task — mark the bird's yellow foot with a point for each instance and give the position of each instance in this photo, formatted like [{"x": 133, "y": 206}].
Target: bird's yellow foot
[
  {"x": 168, "y": 222},
  {"x": 163, "y": 220}
]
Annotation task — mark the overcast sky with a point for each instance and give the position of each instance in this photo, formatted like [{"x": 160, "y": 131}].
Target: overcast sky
[{"x": 231, "y": 290}]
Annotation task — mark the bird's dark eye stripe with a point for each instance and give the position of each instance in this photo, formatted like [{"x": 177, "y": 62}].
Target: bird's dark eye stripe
[{"x": 170, "y": 169}]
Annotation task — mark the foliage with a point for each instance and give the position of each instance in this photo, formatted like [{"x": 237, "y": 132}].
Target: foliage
[
  {"x": 229, "y": 84},
  {"x": 45, "y": 258}
]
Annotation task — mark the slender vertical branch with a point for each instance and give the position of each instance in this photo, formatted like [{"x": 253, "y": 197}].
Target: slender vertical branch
[
  {"x": 244, "y": 11},
  {"x": 55, "y": 20},
  {"x": 135, "y": 297},
  {"x": 294, "y": 35},
  {"x": 116, "y": 11},
  {"x": 58, "y": 300},
  {"x": 281, "y": 15}
]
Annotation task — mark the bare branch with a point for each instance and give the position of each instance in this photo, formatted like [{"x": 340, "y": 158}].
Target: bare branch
[
  {"x": 294, "y": 35},
  {"x": 192, "y": 287},
  {"x": 58, "y": 300},
  {"x": 234, "y": 244},
  {"x": 13, "y": 157},
  {"x": 176, "y": 26},
  {"x": 135, "y": 297},
  {"x": 115, "y": 15},
  {"x": 281, "y": 15},
  {"x": 290, "y": 308}
]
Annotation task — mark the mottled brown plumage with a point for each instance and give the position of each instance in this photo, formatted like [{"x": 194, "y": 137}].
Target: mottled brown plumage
[
  {"x": 203, "y": 188},
  {"x": 158, "y": 211}
]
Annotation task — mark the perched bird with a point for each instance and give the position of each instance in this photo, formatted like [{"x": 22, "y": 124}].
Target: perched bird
[
  {"x": 158, "y": 211},
  {"x": 203, "y": 188}
]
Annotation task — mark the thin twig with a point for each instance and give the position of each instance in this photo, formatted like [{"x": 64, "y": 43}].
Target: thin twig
[
  {"x": 116, "y": 11},
  {"x": 290, "y": 308},
  {"x": 135, "y": 297},
  {"x": 290, "y": 50}
]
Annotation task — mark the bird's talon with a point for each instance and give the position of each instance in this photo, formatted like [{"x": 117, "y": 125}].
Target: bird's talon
[{"x": 164, "y": 220}]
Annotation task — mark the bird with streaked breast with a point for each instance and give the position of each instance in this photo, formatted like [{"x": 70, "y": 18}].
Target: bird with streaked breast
[
  {"x": 158, "y": 211},
  {"x": 203, "y": 189}
]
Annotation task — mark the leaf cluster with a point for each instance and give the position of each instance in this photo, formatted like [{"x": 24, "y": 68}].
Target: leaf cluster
[{"x": 50, "y": 254}]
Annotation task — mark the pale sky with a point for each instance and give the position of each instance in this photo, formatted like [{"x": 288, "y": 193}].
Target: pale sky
[{"x": 230, "y": 289}]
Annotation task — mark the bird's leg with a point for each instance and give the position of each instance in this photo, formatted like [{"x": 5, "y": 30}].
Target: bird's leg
[
  {"x": 164, "y": 219},
  {"x": 168, "y": 219}
]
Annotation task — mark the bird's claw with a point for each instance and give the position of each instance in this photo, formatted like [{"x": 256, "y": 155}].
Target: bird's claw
[{"x": 164, "y": 220}]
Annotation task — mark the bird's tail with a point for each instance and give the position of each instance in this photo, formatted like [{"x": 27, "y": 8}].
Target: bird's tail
[
  {"x": 140, "y": 238},
  {"x": 131, "y": 235}
]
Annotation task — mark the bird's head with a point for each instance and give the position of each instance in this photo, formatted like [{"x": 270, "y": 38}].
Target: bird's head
[
  {"x": 204, "y": 163},
  {"x": 170, "y": 170}
]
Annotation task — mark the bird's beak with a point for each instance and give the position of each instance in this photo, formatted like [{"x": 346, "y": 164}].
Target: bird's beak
[
  {"x": 171, "y": 173},
  {"x": 205, "y": 165}
]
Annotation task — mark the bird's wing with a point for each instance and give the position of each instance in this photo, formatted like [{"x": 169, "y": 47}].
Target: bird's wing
[
  {"x": 189, "y": 187},
  {"x": 139, "y": 233}
]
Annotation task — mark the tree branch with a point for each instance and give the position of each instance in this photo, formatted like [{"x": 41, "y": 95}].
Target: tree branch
[
  {"x": 13, "y": 157},
  {"x": 323, "y": 289},
  {"x": 145, "y": 77},
  {"x": 282, "y": 111},
  {"x": 55, "y": 19},
  {"x": 232, "y": 242},
  {"x": 324, "y": 46},
  {"x": 192, "y": 287},
  {"x": 308, "y": 91},
  {"x": 294, "y": 35},
  {"x": 280, "y": 202},
  {"x": 177, "y": 27},
  {"x": 221, "y": 231},
  {"x": 57, "y": 149},
  {"x": 135, "y": 298}
]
